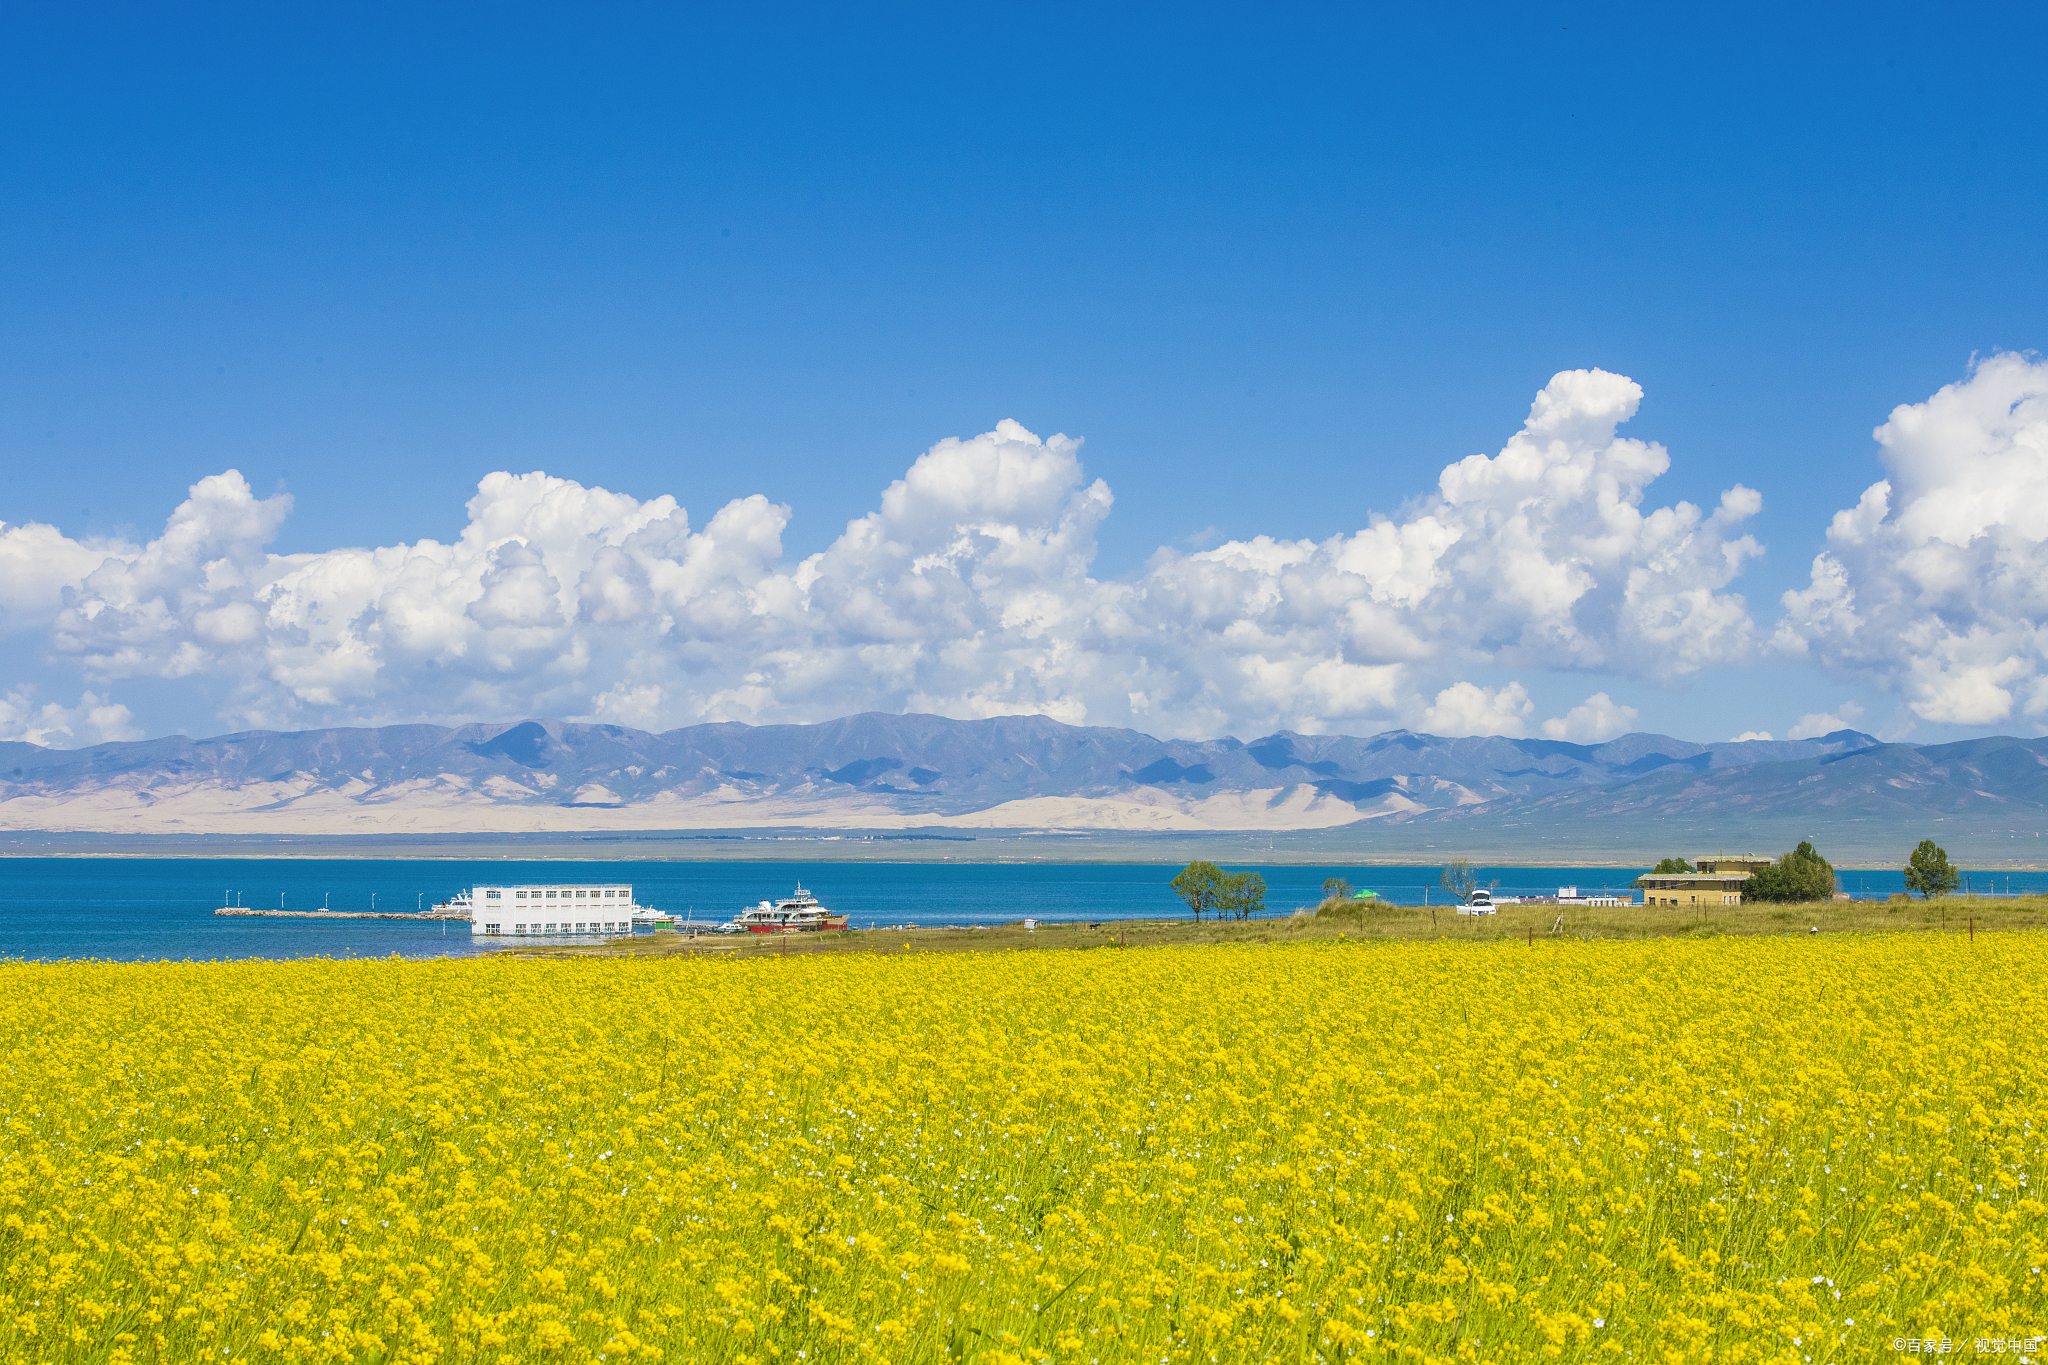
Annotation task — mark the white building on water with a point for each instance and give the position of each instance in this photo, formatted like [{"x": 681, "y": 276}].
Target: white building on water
[
  {"x": 1566, "y": 895},
  {"x": 551, "y": 909}
]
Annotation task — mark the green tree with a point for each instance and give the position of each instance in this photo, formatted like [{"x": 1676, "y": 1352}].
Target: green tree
[
  {"x": 1460, "y": 879},
  {"x": 1928, "y": 870},
  {"x": 1200, "y": 884},
  {"x": 1244, "y": 895},
  {"x": 1336, "y": 889},
  {"x": 1801, "y": 875},
  {"x": 1670, "y": 866}
]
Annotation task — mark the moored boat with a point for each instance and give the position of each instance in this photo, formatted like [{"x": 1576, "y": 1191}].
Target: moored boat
[{"x": 796, "y": 913}]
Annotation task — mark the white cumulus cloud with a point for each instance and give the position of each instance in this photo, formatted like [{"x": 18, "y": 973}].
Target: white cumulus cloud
[
  {"x": 1818, "y": 723},
  {"x": 1599, "y": 717},
  {"x": 1468, "y": 709},
  {"x": 37, "y": 563},
  {"x": 1936, "y": 582},
  {"x": 94, "y": 720},
  {"x": 968, "y": 592}
]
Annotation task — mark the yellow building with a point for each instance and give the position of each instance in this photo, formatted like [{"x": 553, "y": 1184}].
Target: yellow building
[{"x": 1717, "y": 881}]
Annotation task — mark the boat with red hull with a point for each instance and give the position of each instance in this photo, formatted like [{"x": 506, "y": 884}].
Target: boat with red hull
[{"x": 797, "y": 913}]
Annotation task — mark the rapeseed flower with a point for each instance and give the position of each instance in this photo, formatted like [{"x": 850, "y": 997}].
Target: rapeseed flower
[{"x": 1728, "y": 1150}]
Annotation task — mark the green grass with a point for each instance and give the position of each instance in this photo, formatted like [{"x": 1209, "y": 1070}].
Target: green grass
[{"x": 1951, "y": 915}]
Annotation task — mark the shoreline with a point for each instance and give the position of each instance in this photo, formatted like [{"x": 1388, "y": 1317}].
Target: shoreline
[
  {"x": 1332, "y": 861},
  {"x": 1531, "y": 925},
  {"x": 1014, "y": 847}
]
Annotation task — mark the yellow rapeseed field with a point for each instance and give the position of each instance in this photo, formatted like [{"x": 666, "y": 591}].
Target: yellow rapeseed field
[{"x": 1729, "y": 1150}]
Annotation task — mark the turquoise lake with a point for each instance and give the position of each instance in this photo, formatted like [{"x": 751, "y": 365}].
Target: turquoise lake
[{"x": 154, "y": 908}]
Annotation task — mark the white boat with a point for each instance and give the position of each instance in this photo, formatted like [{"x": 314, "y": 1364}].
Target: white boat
[{"x": 796, "y": 913}]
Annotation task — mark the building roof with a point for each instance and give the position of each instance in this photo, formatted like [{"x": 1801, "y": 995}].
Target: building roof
[{"x": 1686, "y": 878}]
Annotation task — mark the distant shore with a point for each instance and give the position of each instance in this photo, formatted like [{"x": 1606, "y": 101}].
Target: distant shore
[{"x": 1376, "y": 844}]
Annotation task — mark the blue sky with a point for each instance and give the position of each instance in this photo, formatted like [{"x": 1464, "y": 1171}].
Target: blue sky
[{"x": 1277, "y": 269}]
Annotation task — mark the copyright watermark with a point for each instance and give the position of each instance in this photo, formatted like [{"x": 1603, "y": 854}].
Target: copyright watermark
[{"x": 1983, "y": 1346}]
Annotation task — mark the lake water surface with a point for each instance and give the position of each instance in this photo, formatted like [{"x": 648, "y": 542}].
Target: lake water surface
[{"x": 154, "y": 908}]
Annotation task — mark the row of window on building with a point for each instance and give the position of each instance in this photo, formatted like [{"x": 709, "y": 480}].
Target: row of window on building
[
  {"x": 581, "y": 927},
  {"x": 522, "y": 893}
]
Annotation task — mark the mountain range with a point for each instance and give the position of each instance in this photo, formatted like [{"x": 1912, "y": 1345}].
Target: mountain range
[{"x": 905, "y": 772}]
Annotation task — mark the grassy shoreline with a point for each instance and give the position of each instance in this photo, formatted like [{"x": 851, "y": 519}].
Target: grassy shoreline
[{"x": 1958, "y": 915}]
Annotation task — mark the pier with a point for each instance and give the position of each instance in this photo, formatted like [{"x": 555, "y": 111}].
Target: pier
[{"x": 437, "y": 914}]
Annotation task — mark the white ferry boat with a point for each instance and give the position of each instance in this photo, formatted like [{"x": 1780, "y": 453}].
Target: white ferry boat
[
  {"x": 796, "y": 913},
  {"x": 553, "y": 909}
]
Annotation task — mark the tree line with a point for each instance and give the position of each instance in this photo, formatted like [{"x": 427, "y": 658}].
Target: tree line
[
  {"x": 1207, "y": 888},
  {"x": 1804, "y": 875},
  {"x": 1800, "y": 875}
]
